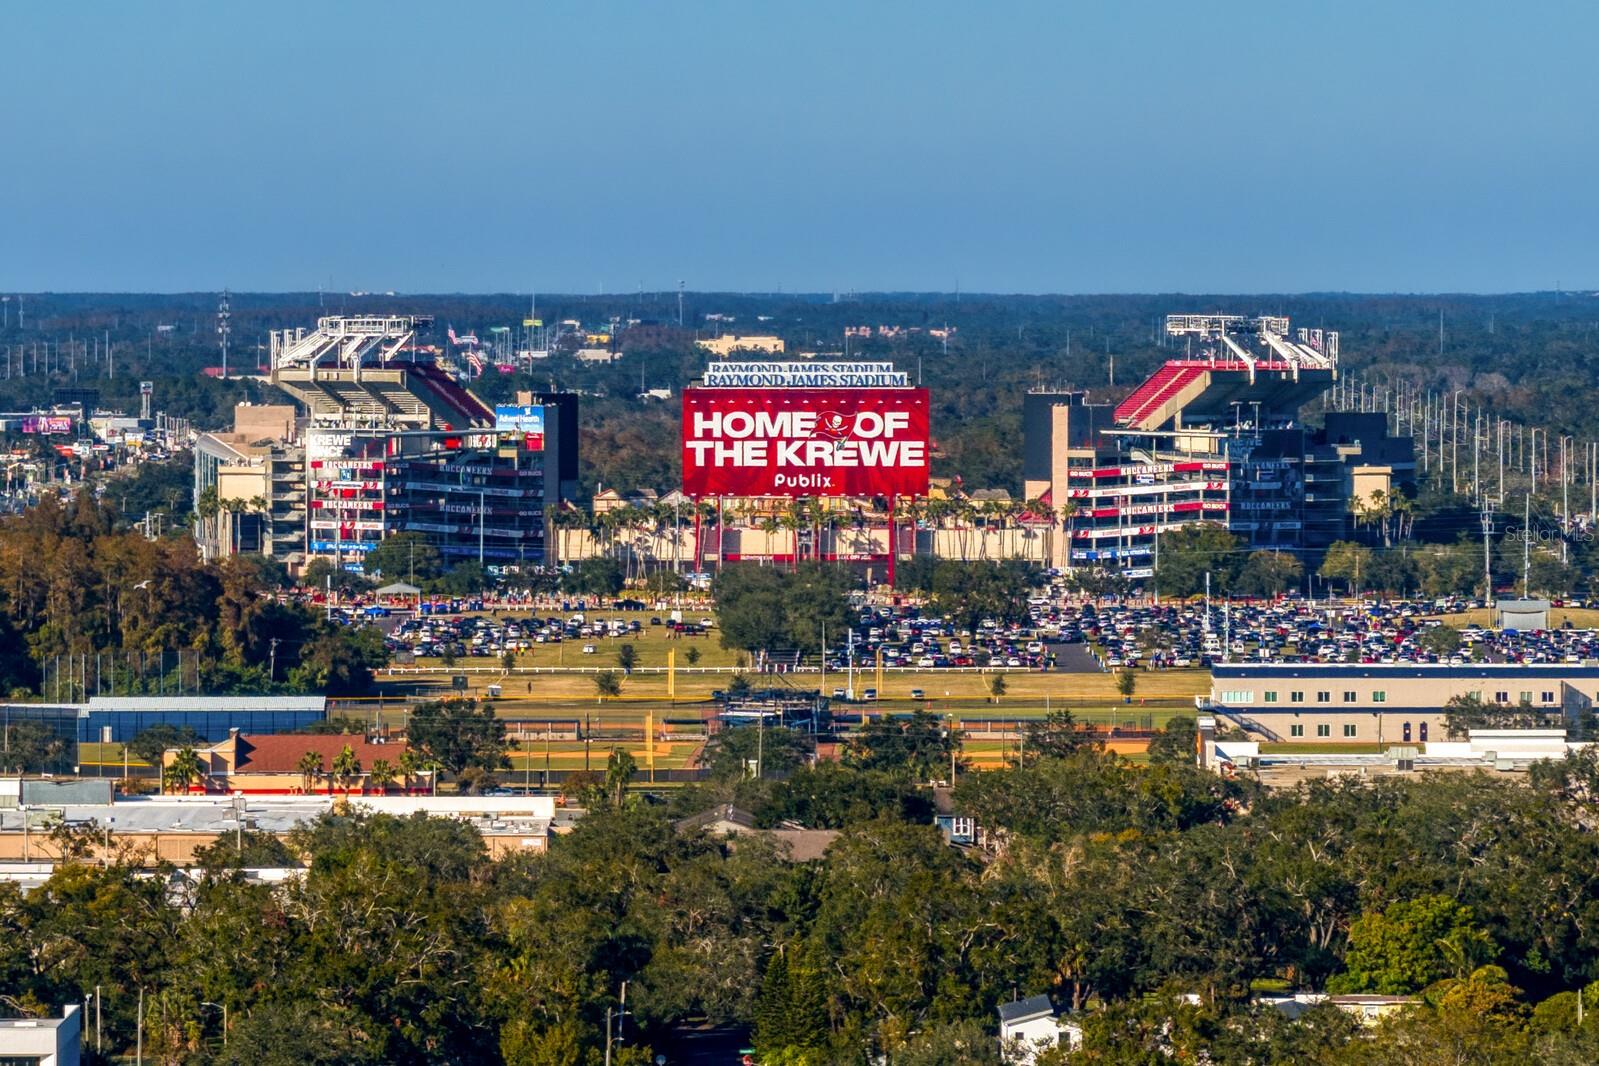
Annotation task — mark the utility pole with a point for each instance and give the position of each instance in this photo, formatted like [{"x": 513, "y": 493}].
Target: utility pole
[
  {"x": 1565, "y": 498},
  {"x": 1487, "y": 563},
  {"x": 272, "y": 657},
  {"x": 954, "y": 744},
  {"x": 1526, "y": 544},
  {"x": 1476, "y": 440}
]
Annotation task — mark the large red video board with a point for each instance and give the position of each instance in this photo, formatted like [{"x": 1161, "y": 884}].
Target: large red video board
[{"x": 805, "y": 442}]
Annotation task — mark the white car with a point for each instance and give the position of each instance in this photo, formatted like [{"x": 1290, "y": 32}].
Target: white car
[{"x": 588, "y": 649}]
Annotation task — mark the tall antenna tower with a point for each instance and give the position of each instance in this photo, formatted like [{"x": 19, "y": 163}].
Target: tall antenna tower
[
  {"x": 680, "y": 303},
  {"x": 224, "y": 328}
]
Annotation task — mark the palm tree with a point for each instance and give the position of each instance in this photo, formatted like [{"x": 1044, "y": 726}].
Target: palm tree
[
  {"x": 1068, "y": 511},
  {"x": 965, "y": 514},
  {"x": 1404, "y": 509},
  {"x": 205, "y": 512},
  {"x": 1011, "y": 517},
  {"x": 410, "y": 763},
  {"x": 565, "y": 520},
  {"x": 770, "y": 525},
  {"x": 707, "y": 518},
  {"x": 381, "y": 776},
  {"x": 602, "y": 527},
  {"x": 346, "y": 768},
  {"x": 182, "y": 771},
  {"x": 1046, "y": 514},
  {"x": 827, "y": 521},
  {"x": 913, "y": 510},
  {"x": 937, "y": 512},
  {"x": 234, "y": 508},
  {"x": 310, "y": 767},
  {"x": 794, "y": 519}
]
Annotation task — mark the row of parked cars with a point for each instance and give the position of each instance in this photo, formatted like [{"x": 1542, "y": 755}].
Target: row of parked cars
[
  {"x": 483, "y": 635},
  {"x": 1295, "y": 630},
  {"x": 907, "y": 637},
  {"x": 1122, "y": 634}
]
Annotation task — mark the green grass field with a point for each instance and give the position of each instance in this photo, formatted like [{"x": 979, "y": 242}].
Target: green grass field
[
  {"x": 570, "y": 682},
  {"x": 556, "y": 682}
]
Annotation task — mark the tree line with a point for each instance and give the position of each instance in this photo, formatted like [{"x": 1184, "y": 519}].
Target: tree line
[
  {"x": 1156, "y": 901},
  {"x": 88, "y": 605}
]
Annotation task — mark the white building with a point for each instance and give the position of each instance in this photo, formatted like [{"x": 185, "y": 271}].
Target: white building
[
  {"x": 1028, "y": 1027},
  {"x": 42, "y": 1041}
]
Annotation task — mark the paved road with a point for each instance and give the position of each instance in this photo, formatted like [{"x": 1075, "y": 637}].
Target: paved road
[{"x": 1074, "y": 659}]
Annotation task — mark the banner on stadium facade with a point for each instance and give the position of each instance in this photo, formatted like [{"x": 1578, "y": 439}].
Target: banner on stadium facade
[
  {"x": 519, "y": 418},
  {"x": 833, "y": 374},
  {"x": 805, "y": 442}
]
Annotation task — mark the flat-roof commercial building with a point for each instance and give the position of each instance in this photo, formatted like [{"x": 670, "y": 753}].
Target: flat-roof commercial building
[
  {"x": 42, "y": 1041},
  {"x": 173, "y": 828},
  {"x": 1385, "y": 703},
  {"x": 118, "y": 719}
]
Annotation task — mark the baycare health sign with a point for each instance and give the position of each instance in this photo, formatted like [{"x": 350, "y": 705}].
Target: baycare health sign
[{"x": 805, "y": 442}]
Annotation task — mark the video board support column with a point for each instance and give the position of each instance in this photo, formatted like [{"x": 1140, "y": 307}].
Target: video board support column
[
  {"x": 699, "y": 545},
  {"x": 893, "y": 538}
]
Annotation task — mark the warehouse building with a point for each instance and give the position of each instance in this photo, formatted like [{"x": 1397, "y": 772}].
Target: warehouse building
[
  {"x": 1384, "y": 703},
  {"x": 118, "y": 719}
]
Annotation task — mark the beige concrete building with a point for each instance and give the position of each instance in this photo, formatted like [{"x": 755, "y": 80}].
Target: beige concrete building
[
  {"x": 269, "y": 764},
  {"x": 1060, "y": 431},
  {"x": 258, "y": 474},
  {"x": 1384, "y": 703}
]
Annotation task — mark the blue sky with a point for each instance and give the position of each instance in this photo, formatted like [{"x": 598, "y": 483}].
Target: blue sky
[{"x": 1009, "y": 147}]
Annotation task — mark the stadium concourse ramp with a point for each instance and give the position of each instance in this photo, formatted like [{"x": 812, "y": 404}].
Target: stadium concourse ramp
[{"x": 1216, "y": 390}]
